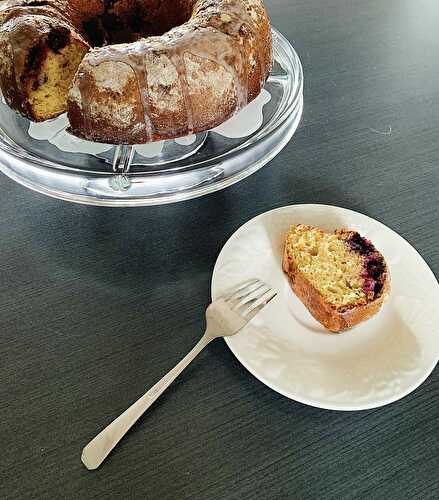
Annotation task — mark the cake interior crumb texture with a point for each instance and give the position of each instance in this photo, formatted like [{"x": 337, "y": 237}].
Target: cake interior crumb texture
[
  {"x": 329, "y": 264},
  {"x": 50, "y": 86}
]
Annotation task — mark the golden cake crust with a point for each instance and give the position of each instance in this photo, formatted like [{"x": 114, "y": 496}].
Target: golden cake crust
[
  {"x": 331, "y": 317},
  {"x": 191, "y": 79},
  {"x": 187, "y": 80}
]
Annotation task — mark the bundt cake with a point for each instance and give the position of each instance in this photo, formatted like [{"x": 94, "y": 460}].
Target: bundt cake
[
  {"x": 133, "y": 71},
  {"x": 340, "y": 277}
]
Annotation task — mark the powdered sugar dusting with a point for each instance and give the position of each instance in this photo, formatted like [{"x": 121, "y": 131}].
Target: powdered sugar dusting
[
  {"x": 112, "y": 75},
  {"x": 75, "y": 95},
  {"x": 243, "y": 124},
  {"x": 123, "y": 115}
]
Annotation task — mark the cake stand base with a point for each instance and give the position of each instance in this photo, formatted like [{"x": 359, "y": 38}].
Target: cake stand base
[{"x": 46, "y": 158}]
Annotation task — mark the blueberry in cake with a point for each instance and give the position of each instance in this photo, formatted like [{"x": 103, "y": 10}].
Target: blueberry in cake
[{"x": 340, "y": 277}]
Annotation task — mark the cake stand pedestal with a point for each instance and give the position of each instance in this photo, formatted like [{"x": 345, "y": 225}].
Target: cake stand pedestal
[{"x": 45, "y": 158}]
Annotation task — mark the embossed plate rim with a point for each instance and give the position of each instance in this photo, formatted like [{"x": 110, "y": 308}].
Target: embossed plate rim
[{"x": 424, "y": 369}]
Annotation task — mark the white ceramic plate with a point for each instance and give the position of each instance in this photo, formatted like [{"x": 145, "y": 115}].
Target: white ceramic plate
[{"x": 375, "y": 363}]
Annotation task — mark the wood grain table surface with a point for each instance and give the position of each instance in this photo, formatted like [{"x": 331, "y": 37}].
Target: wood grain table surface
[{"x": 96, "y": 304}]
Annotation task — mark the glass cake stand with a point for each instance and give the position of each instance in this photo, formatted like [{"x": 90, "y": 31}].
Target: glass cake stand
[{"x": 45, "y": 158}]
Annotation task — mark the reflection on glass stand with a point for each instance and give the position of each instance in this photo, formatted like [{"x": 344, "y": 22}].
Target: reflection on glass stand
[{"x": 46, "y": 158}]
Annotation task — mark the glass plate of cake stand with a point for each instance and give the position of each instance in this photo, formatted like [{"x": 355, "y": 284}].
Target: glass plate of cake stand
[{"x": 47, "y": 159}]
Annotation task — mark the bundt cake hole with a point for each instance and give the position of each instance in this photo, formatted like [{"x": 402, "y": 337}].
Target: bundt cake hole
[
  {"x": 94, "y": 31},
  {"x": 125, "y": 22},
  {"x": 36, "y": 3}
]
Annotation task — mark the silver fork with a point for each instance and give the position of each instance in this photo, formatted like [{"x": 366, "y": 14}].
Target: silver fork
[{"x": 224, "y": 317}]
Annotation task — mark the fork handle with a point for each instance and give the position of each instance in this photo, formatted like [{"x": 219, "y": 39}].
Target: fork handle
[{"x": 99, "y": 448}]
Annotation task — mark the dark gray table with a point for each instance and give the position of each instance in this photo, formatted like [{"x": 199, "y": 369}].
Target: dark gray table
[{"x": 97, "y": 304}]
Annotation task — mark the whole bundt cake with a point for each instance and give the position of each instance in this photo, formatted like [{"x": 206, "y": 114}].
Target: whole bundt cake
[{"x": 133, "y": 71}]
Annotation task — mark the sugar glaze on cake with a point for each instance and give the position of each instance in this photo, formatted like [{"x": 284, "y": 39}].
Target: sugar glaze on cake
[{"x": 165, "y": 82}]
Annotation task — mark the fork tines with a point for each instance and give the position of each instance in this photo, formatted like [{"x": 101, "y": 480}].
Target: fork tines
[{"x": 250, "y": 297}]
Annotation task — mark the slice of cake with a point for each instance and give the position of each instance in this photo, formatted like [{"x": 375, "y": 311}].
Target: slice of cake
[{"x": 340, "y": 277}]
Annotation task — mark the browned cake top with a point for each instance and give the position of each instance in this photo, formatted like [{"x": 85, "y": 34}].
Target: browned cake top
[{"x": 150, "y": 63}]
